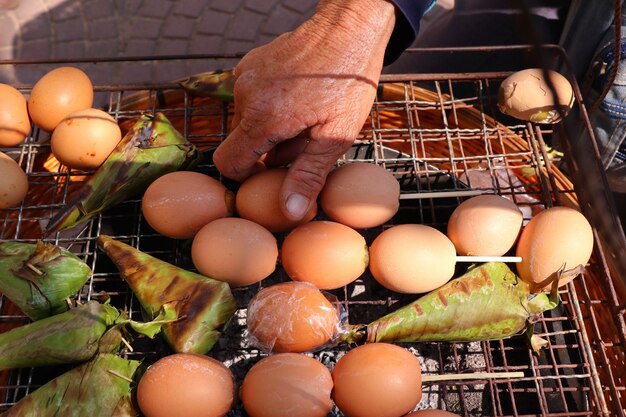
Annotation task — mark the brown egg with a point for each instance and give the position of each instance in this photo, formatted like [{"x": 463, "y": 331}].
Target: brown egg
[
  {"x": 13, "y": 182},
  {"x": 526, "y": 95},
  {"x": 485, "y": 225},
  {"x": 258, "y": 199},
  {"x": 431, "y": 413},
  {"x": 187, "y": 385},
  {"x": 85, "y": 138},
  {"x": 287, "y": 385},
  {"x": 14, "y": 121},
  {"x": 179, "y": 204},
  {"x": 556, "y": 237},
  {"x": 329, "y": 255},
  {"x": 377, "y": 380},
  {"x": 412, "y": 258},
  {"x": 58, "y": 93},
  {"x": 291, "y": 317},
  {"x": 234, "y": 250},
  {"x": 360, "y": 195}
]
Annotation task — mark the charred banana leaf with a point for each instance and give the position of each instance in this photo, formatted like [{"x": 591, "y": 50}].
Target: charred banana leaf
[
  {"x": 215, "y": 84},
  {"x": 149, "y": 150},
  {"x": 203, "y": 305},
  {"x": 39, "y": 278},
  {"x": 99, "y": 388},
  {"x": 74, "y": 336},
  {"x": 489, "y": 302}
]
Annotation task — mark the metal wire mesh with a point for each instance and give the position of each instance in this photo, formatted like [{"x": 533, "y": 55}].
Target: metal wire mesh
[{"x": 432, "y": 150}]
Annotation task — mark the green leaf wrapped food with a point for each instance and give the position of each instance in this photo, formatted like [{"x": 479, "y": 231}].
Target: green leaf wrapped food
[
  {"x": 149, "y": 150},
  {"x": 216, "y": 84},
  {"x": 39, "y": 278},
  {"x": 74, "y": 336},
  {"x": 203, "y": 305},
  {"x": 489, "y": 302},
  {"x": 98, "y": 388}
]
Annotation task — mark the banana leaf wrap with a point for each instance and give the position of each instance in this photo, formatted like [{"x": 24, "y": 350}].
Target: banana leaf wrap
[
  {"x": 39, "y": 278},
  {"x": 215, "y": 84},
  {"x": 152, "y": 148},
  {"x": 74, "y": 336},
  {"x": 98, "y": 388},
  {"x": 488, "y": 302},
  {"x": 203, "y": 305}
]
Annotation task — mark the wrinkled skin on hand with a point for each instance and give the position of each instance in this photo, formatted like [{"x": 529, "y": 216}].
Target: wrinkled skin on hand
[{"x": 303, "y": 98}]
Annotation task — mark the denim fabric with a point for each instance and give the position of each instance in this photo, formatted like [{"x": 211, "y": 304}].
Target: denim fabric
[{"x": 589, "y": 41}]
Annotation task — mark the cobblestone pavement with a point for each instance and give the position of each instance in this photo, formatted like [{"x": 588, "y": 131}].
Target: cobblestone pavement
[{"x": 42, "y": 29}]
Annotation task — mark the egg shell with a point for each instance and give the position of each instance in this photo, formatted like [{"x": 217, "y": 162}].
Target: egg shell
[
  {"x": 234, "y": 250},
  {"x": 291, "y": 317},
  {"x": 58, "y": 93},
  {"x": 485, "y": 225},
  {"x": 287, "y": 385},
  {"x": 556, "y": 237},
  {"x": 526, "y": 95},
  {"x": 187, "y": 385},
  {"x": 85, "y": 138},
  {"x": 179, "y": 204},
  {"x": 13, "y": 182},
  {"x": 431, "y": 413},
  {"x": 412, "y": 258},
  {"x": 360, "y": 195},
  {"x": 377, "y": 380},
  {"x": 14, "y": 121},
  {"x": 258, "y": 200},
  {"x": 329, "y": 255}
]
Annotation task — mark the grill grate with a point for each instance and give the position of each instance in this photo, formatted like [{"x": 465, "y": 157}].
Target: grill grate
[{"x": 435, "y": 142}]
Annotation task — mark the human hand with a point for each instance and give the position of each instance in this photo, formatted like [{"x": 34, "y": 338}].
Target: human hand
[{"x": 304, "y": 97}]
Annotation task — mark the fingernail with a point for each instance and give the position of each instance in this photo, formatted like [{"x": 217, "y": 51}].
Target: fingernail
[{"x": 297, "y": 205}]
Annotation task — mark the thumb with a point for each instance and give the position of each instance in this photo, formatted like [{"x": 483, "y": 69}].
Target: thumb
[{"x": 307, "y": 175}]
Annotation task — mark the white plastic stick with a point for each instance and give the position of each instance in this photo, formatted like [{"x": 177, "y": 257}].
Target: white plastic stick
[
  {"x": 478, "y": 375},
  {"x": 440, "y": 194},
  {"x": 489, "y": 259}
]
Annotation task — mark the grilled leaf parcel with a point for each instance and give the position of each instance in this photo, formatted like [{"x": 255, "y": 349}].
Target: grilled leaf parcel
[
  {"x": 152, "y": 148},
  {"x": 488, "y": 302},
  {"x": 203, "y": 306},
  {"x": 98, "y": 388},
  {"x": 39, "y": 278},
  {"x": 74, "y": 336}
]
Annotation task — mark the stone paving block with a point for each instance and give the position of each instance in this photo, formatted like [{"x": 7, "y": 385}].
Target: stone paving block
[
  {"x": 178, "y": 27},
  {"x": 280, "y": 21},
  {"x": 74, "y": 49},
  {"x": 171, "y": 47},
  {"x": 63, "y": 11},
  {"x": 69, "y": 30},
  {"x": 102, "y": 29},
  {"x": 244, "y": 25},
  {"x": 35, "y": 49},
  {"x": 103, "y": 48},
  {"x": 301, "y": 6},
  {"x": 166, "y": 71},
  {"x": 213, "y": 22},
  {"x": 29, "y": 9},
  {"x": 134, "y": 72},
  {"x": 232, "y": 47},
  {"x": 8, "y": 31},
  {"x": 191, "y": 8},
  {"x": 226, "y": 5},
  {"x": 145, "y": 28},
  {"x": 36, "y": 29},
  {"x": 97, "y": 9},
  {"x": 139, "y": 47},
  {"x": 202, "y": 44},
  {"x": 263, "y": 6},
  {"x": 156, "y": 8}
]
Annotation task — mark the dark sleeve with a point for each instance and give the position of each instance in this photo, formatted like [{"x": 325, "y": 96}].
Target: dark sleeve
[{"x": 408, "y": 16}]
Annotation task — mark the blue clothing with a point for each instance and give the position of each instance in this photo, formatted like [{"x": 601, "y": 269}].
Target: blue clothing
[{"x": 408, "y": 18}]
